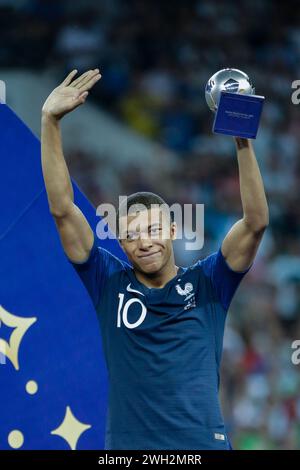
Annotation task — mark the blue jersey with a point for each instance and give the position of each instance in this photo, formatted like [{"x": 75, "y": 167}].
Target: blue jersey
[{"x": 163, "y": 350}]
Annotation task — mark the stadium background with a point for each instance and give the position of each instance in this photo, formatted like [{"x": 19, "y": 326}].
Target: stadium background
[{"x": 155, "y": 58}]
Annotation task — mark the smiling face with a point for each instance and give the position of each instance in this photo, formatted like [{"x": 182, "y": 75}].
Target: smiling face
[{"x": 146, "y": 238}]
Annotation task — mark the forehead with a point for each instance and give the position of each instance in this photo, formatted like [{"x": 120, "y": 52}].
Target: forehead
[{"x": 143, "y": 219}]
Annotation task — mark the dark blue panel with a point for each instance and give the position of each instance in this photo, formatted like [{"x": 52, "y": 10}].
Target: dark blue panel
[{"x": 62, "y": 350}]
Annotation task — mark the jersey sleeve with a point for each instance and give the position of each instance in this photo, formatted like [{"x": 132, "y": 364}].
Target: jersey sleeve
[
  {"x": 95, "y": 271},
  {"x": 225, "y": 280}
]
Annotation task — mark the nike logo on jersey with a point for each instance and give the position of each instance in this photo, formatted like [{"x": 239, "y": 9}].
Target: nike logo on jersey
[{"x": 129, "y": 289}]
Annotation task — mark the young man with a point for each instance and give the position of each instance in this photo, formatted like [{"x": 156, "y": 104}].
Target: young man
[{"x": 162, "y": 325}]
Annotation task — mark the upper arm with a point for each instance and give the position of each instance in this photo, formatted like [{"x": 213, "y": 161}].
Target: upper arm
[
  {"x": 240, "y": 245},
  {"x": 95, "y": 271},
  {"x": 75, "y": 233},
  {"x": 224, "y": 279}
]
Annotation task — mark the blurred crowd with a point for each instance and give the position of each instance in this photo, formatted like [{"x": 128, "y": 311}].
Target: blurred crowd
[{"x": 155, "y": 58}]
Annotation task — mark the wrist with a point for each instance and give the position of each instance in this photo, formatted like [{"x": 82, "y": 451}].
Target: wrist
[{"x": 47, "y": 116}]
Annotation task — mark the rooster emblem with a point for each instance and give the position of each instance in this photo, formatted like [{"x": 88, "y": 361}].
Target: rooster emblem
[{"x": 187, "y": 289}]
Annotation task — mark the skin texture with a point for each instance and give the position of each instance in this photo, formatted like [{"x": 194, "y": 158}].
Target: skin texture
[
  {"x": 239, "y": 247},
  {"x": 147, "y": 239},
  {"x": 242, "y": 241},
  {"x": 74, "y": 230}
]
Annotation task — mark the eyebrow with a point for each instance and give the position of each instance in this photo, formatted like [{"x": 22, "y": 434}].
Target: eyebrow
[{"x": 156, "y": 224}]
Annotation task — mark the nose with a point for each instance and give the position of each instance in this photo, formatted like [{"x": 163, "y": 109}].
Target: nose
[{"x": 144, "y": 243}]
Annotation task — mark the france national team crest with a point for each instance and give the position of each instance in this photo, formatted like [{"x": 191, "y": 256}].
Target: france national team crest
[{"x": 187, "y": 291}]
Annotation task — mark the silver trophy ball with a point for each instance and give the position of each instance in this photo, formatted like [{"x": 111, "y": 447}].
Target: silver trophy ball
[{"x": 230, "y": 80}]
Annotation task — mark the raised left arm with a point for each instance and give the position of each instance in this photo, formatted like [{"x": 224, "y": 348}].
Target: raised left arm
[{"x": 240, "y": 245}]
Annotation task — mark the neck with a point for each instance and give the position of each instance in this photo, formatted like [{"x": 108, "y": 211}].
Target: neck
[{"x": 158, "y": 279}]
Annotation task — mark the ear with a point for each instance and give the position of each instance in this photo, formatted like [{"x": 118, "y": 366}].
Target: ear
[{"x": 173, "y": 230}]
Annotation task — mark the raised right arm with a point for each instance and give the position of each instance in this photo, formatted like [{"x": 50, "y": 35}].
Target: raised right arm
[{"x": 74, "y": 230}]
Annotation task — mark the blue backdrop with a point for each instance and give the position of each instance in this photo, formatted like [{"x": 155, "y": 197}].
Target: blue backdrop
[{"x": 53, "y": 382}]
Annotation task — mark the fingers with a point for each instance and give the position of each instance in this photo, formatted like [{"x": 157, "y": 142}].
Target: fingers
[
  {"x": 80, "y": 97},
  {"x": 89, "y": 83},
  {"x": 242, "y": 143},
  {"x": 87, "y": 80},
  {"x": 79, "y": 100},
  {"x": 83, "y": 96},
  {"x": 79, "y": 79},
  {"x": 84, "y": 82},
  {"x": 69, "y": 77}
]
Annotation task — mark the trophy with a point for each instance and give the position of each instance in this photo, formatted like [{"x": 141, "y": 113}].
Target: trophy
[{"x": 230, "y": 94}]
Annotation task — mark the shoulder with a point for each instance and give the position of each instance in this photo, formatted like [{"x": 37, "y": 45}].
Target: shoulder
[
  {"x": 204, "y": 265},
  {"x": 102, "y": 259},
  {"x": 223, "y": 279},
  {"x": 216, "y": 262}
]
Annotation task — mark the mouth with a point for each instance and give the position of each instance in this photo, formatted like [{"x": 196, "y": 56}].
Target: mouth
[{"x": 149, "y": 256}]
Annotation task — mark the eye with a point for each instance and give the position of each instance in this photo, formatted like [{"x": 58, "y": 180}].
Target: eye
[
  {"x": 132, "y": 236},
  {"x": 155, "y": 230}
]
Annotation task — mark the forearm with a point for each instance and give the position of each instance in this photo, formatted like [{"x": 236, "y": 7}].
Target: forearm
[
  {"x": 55, "y": 171},
  {"x": 254, "y": 202}
]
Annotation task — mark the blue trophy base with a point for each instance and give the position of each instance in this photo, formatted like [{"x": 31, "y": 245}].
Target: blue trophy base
[{"x": 238, "y": 115}]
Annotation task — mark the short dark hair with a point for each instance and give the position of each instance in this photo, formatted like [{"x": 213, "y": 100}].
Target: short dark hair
[{"x": 142, "y": 197}]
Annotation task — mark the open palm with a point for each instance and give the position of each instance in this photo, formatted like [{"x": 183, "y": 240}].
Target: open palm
[{"x": 69, "y": 95}]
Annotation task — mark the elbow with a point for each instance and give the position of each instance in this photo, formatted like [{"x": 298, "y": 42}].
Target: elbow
[
  {"x": 258, "y": 224},
  {"x": 260, "y": 228},
  {"x": 58, "y": 214},
  {"x": 61, "y": 211}
]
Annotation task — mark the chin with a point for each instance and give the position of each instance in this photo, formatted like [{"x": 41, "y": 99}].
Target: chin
[{"x": 150, "y": 268}]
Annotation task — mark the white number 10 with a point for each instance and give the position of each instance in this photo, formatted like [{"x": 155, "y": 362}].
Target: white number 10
[{"x": 125, "y": 312}]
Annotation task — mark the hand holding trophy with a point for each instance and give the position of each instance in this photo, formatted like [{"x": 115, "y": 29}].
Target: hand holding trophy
[{"x": 230, "y": 94}]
